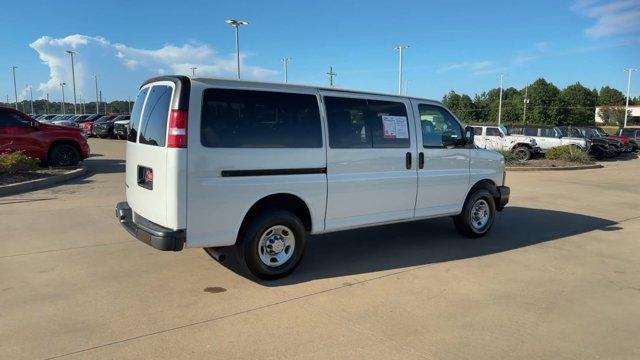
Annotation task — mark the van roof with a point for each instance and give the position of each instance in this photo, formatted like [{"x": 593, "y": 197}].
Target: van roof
[{"x": 216, "y": 81}]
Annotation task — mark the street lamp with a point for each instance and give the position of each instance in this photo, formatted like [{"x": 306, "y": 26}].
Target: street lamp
[
  {"x": 31, "y": 92},
  {"x": 626, "y": 108},
  {"x": 235, "y": 24},
  {"x": 400, "y": 48},
  {"x": 500, "y": 104},
  {"x": 95, "y": 77},
  {"x": 526, "y": 102},
  {"x": 193, "y": 70},
  {"x": 73, "y": 77},
  {"x": 285, "y": 61},
  {"x": 62, "y": 87},
  {"x": 15, "y": 89}
]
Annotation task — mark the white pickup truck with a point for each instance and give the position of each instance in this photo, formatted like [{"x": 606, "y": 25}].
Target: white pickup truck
[
  {"x": 548, "y": 137},
  {"x": 498, "y": 138}
]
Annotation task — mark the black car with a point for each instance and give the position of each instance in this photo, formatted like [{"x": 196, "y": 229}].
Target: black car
[
  {"x": 599, "y": 149},
  {"x": 614, "y": 147},
  {"x": 103, "y": 127}
]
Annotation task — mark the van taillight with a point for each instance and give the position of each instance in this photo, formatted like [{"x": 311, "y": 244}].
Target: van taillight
[{"x": 178, "y": 129}]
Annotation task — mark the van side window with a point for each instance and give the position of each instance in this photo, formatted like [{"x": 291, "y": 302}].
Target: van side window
[
  {"x": 531, "y": 131},
  {"x": 153, "y": 127},
  {"x": 493, "y": 131},
  {"x": 362, "y": 123},
  {"x": 477, "y": 131},
  {"x": 135, "y": 115},
  {"x": 259, "y": 119},
  {"x": 348, "y": 127},
  {"x": 435, "y": 122}
]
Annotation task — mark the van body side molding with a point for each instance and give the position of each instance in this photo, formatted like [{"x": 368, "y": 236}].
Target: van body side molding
[{"x": 270, "y": 172}]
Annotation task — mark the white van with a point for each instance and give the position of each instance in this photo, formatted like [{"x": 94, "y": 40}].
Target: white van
[{"x": 212, "y": 163}]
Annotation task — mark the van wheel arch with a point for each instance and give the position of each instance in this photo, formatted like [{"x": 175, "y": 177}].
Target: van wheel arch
[
  {"x": 487, "y": 184},
  {"x": 280, "y": 201}
]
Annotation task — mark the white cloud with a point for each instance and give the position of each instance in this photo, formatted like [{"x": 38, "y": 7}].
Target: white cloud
[
  {"x": 473, "y": 66},
  {"x": 611, "y": 17},
  {"x": 94, "y": 52}
]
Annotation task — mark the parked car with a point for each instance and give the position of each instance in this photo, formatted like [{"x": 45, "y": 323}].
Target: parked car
[
  {"x": 61, "y": 119},
  {"x": 54, "y": 145},
  {"x": 498, "y": 138},
  {"x": 633, "y": 133},
  {"x": 267, "y": 164},
  {"x": 548, "y": 137},
  {"x": 73, "y": 120},
  {"x": 86, "y": 125},
  {"x": 599, "y": 149},
  {"x": 103, "y": 127},
  {"x": 628, "y": 145},
  {"x": 46, "y": 118},
  {"x": 616, "y": 146},
  {"x": 121, "y": 126}
]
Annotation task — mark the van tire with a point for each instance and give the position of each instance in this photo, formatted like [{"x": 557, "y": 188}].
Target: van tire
[
  {"x": 62, "y": 155},
  {"x": 480, "y": 199},
  {"x": 253, "y": 238}
]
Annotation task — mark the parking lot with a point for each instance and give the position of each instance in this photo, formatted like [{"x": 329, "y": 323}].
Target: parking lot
[{"x": 558, "y": 277}]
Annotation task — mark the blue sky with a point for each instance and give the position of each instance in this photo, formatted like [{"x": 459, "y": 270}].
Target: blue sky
[{"x": 454, "y": 45}]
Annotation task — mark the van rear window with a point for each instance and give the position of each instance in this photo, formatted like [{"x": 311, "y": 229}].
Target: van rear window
[
  {"x": 153, "y": 127},
  {"x": 135, "y": 115},
  {"x": 259, "y": 119}
]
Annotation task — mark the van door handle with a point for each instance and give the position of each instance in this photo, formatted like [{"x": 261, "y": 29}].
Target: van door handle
[
  {"x": 421, "y": 160},
  {"x": 407, "y": 160}
]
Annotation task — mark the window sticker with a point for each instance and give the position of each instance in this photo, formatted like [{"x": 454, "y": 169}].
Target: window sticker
[{"x": 395, "y": 127}]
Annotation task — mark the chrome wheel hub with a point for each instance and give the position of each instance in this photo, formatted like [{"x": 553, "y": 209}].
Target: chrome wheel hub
[
  {"x": 480, "y": 214},
  {"x": 276, "y": 245}
]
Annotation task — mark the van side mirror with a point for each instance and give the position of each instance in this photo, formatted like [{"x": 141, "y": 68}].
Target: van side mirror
[
  {"x": 469, "y": 134},
  {"x": 450, "y": 138}
]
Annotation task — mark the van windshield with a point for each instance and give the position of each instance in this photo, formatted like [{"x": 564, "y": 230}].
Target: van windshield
[{"x": 135, "y": 115}]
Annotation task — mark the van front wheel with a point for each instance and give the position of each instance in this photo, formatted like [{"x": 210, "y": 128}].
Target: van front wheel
[
  {"x": 477, "y": 215},
  {"x": 272, "y": 244}
]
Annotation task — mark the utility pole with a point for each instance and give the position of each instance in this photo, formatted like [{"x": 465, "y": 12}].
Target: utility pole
[
  {"x": 63, "y": 107},
  {"x": 406, "y": 86},
  {"x": 129, "y": 104},
  {"x": 400, "y": 48},
  {"x": 626, "y": 108},
  {"x": 235, "y": 24},
  {"x": 47, "y": 103},
  {"x": 193, "y": 71},
  {"x": 31, "y": 91},
  {"x": 73, "y": 77},
  {"x": 285, "y": 62},
  {"x": 15, "y": 89},
  {"x": 500, "y": 104},
  {"x": 331, "y": 75},
  {"x": 95, "y": 77},
  {"x": 525, "y": 101}
]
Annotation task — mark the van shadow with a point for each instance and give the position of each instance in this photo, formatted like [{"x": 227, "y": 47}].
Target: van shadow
[{"x": 427, "y": 242}]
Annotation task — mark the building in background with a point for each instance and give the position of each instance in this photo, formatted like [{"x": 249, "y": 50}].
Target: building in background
[{"x": 634, "y": 116}]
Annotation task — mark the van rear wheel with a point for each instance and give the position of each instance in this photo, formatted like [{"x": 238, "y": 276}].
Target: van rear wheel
[
  {"x": 477, "y": 215},
  {"x": 272, "y": 244}
]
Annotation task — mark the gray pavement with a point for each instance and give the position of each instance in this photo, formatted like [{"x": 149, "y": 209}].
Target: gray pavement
[{"x": 558, "y": 277}]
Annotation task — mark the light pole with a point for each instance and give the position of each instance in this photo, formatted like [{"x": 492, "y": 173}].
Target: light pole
[
  {"x": 331, "y": 75},
  {"x": 400, "y": 48},
  {"x": 62, "y": 87},
  {"x": 95, "y": 77},
  {"x": 15, "y": 89},
  {"x": 626, "y": 108},
  {"x": 31, "y": 92},
  {"x": 236, "y": 24},
  {"x": 500, "y": 104},
  {"x": 47, "y": 103},
  {"x": 285, "y": 62},
  {"x": 526, "y": 102},
  {"x": 129, "y": 105},
  {"x": 193, "y": 71},
  {"x": 73, "y": 78}
]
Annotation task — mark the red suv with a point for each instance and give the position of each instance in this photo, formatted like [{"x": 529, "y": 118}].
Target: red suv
[{"x": 54, "y": 145}]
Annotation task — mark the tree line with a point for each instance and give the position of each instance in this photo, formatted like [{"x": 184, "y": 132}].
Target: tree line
[
  {"x": 547, "y": 105},
  {"x": 49, "y": 107}
]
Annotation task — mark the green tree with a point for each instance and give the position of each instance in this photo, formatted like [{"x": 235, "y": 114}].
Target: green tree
[
  {"x": 546, "y": 107},
  {"x": 613, "y": 115},
  {"x": 610, "y": 96},
  {"x": 580, "y": 103},
  {"x": 461, "y": 105}
]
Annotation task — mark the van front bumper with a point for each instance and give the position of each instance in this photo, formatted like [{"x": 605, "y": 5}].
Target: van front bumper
[
  {"x": 148, "y": 232},
  {"x": 503, "y": 197}
]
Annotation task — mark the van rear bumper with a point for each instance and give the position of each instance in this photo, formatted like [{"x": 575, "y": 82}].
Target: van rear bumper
[{"x": 148, "y": 232}]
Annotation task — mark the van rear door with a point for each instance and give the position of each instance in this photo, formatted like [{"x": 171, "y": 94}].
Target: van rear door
[{"x": 155, "y": 166}]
